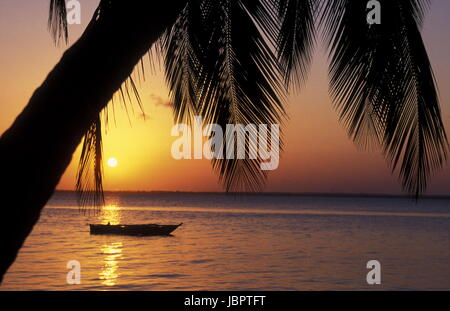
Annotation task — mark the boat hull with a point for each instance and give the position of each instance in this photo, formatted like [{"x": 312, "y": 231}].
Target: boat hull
[{"x": 135, "y": 230}]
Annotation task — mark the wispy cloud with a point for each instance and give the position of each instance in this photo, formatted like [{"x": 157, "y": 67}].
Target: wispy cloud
[
  {"x": 159, "y": 101},
  {"x": 144, "y": 116}
]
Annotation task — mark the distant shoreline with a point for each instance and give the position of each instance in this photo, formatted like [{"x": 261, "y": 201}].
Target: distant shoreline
[{"x": 299, "y": 194}]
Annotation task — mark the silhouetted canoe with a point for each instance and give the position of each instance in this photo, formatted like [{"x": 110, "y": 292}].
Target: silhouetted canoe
[{"x": 142, "y": 230}]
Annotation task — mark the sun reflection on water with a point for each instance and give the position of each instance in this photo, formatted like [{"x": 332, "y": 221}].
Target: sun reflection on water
[
  {"x": 110, "y": 214},
  {"x": 110, "y": 269},
  {"x": 112, "y": 251}
]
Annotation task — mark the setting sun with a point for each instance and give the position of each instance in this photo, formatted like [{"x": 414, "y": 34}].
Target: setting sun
[{"x": 112, "y": 162}]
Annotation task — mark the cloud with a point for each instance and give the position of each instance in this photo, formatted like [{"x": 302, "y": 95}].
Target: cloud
[
  {"x": 144, "y": 116},
  {"x": 159, "y": 101}
]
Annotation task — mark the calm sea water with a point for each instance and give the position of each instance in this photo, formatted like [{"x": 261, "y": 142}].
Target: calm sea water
[{"x": 256, "y": 242}]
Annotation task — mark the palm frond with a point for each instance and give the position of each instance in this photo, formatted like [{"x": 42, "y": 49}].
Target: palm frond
[
  {"x": 296, "y": 38},
  {"x": 231, "y": 62},
  {"x": 89, "y": 184},
  {"x": 229, "y": 75},
  {"x": 57, "y": 20},
  {"x": 181, "y": 52},
  {"x": 383, "y": 85}
]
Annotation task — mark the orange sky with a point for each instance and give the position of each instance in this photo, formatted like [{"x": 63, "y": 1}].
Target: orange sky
[{"x": 318, "y": 156}]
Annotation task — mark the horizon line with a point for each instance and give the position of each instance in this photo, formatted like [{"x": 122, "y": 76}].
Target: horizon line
[{"x": 274, "y": 193}]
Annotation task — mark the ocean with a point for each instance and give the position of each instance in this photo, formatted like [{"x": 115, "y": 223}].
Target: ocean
[{"x": 248, "y": 242}]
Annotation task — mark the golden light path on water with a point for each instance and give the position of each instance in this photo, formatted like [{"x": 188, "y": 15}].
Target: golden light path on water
[
  {"x": 110, "y": 214},
  {"x": 112, "y": 252},
  {"x": 110, "y": 270}
]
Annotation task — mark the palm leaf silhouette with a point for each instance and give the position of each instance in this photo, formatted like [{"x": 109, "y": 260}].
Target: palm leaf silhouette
[
  {"x": 57, "y": 20},
  {"x": 232, "y": 61},
  {"x": 219, "y": 66},
  {"x": 296, "y": 37},
  {"x": 383, "y": 85},
  {"x": 90, "y": 170}
]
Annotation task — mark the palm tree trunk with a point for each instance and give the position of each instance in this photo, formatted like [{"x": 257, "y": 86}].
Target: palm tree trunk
[{"x": 38, "y": 147}]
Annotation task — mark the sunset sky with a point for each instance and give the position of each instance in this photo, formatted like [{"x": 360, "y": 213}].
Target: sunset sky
[{"x": 318, "y": 155}]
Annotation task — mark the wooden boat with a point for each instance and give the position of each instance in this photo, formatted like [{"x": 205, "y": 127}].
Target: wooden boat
[{"x": 139, "y": 230}]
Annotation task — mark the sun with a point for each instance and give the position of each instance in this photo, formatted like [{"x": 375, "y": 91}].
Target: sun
[{"x": 112, "y": 162}]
